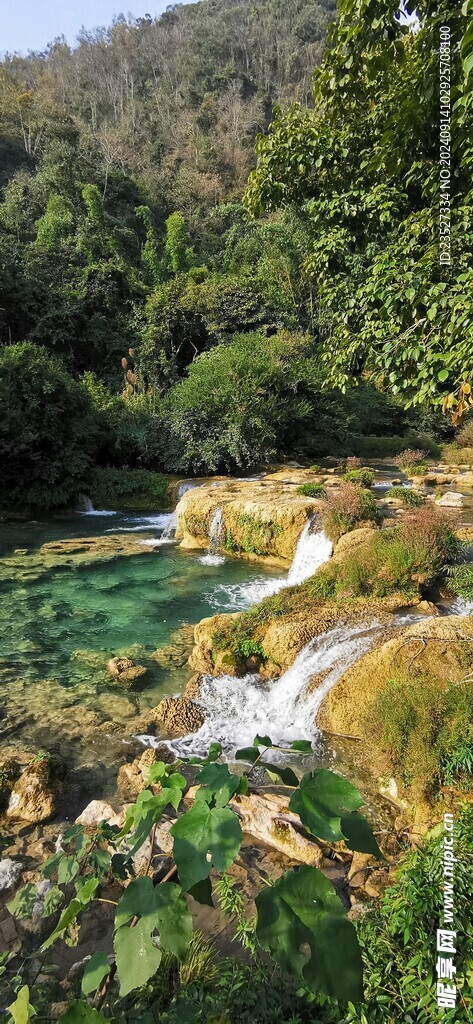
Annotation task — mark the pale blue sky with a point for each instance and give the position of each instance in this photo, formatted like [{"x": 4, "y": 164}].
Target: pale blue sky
[{"x": 32, "y": 24}]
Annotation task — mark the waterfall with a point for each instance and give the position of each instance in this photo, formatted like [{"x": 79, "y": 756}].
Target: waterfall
[
  {"x": 86, "y": 508},
  {"x": 285, "y": 708},
  {"x": 216, "y": 536},
  {"x": 312, "y": 550},
  {"x": 84, "y": 504}
]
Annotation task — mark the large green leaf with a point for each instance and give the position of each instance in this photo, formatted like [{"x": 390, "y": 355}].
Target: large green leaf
[
  {"x": 163, "y": 907},
  {"x": 320, "y": 800},
  {"x": 79, "y": 1012},
  {"x": 218, "y": 780},
  {"x": 21, "y": 1010},
  {"x": 173, "y": 918},
  {"x": 359, "y": 835},
  {"x": 66, "y": 919},
  {"x": 286, "y": 775},
  {"x": 96, "y": 969},
  {"x": 300, "y": 912},
  {"x": 202, "y": 837},
  {"x": 137, "y": 955}
]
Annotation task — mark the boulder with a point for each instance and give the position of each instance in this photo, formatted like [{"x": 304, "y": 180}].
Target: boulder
[
  {"x": 34, "y": 795},
  {"x": 267, "y": 819},
  {"x": 451, "y": 499},
  {"x": 97, "y": 811},
  {"x": 10, "y": 872},
  {"x": 418, "y": 646},
  {"x": 178, "y": 715},
  {"x": 125, "y": 670}
]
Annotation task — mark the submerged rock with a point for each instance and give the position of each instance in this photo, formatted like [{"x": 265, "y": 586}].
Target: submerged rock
[
  {"x": 35, "y": 794},
  {"x": 178, "y": 715},
  {"x": 126, "y": 670}
]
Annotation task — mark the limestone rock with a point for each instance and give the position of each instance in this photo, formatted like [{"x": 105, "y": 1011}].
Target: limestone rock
[
  {"x": 34, "y": 795},
  {"x": 346, "y": 707},
  {"x": 97, "y": 811},
  {"x": 267, "y": 819},
  {"x": 451, "y": 499},
  {"x": 10, "y": 871},
  {"x": 125, "y": 670},
  {"x": 178, "y": 715}
]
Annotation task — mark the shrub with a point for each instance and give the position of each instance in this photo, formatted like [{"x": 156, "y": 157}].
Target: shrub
[
  {"x": 312, "y": 490},
  {"x": 426, "y": 724},
  {"x": 409, "y": 457},
  {"x": 364, "y": 477},
  {"x": 408, "y": 497},
  {"x": 346, "y": 506},
  {"x": 406, "y": 559},
  {"x": 454, "y": 455},
  {"x": 464, "y": 437},
  {"x": 352, "y": 462},
  {"x": 48, "y": 430},
  {"x": 416, "y": 469},
  {"x": 460, "y": 580}
]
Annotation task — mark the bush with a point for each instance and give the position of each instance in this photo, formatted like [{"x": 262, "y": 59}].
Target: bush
[
  {"x": 405, "y": 559},
  {"x": 364, "y": 477},
  {"x": 312, "y": 490},
  {"x": 131, "y": 431},
  {"x": 460, "y": 580},
  {"x": 241, "y": 404},
  {"x": 455, "y": 456},
  {"x": 464, "y": 437},
  {"x": 128, "y": 488},
  {"x": 426, "y": 724},
  {"x": 373, "y": 447},
  {"x": 409, "y": 457},
  {"x": 48, "y": 431},
  {"x": 408, "y": 497},
  {"x": 346, "y": 507},
  {"x": 352, "y": 462}
]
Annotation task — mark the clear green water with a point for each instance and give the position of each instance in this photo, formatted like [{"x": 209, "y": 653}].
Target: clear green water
[{"x": 60, "y": 623}]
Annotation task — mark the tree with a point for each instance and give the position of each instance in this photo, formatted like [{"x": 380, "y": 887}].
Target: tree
[
  {"x": 364, "y": 165},
  {"x": 47, "y": 431},
  {"x": 179, "y": 251},
  {"x": 240, "y": 404}
]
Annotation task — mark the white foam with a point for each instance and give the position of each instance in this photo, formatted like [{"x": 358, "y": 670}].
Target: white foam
[{"x": 313, "y": 549}]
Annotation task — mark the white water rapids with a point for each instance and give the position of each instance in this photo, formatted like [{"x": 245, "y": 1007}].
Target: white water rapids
[
  {"x": 285, "y": 708},
  {"x": 215, "y": 540},
  {"x": 313, "y": 549}
]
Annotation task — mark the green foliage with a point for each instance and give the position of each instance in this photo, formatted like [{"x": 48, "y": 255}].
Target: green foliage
[
  {"x": 302, "y": 909},
  {"x": 426, "y": 724},
  {"x": 212, "y": 430},
  {"x": 460, "y": 580},
  {"x": 130, "y": 428},
  {"x": 354, "y": 163},
  {"x": 407, "y": 495},
  {"x": 364, "y": 477},
  {"x": 311, "y": 490},
  {"x": 48, "y": 431},
  {"x": 255, "y": 536},
  {"x": 152, "y": 919},
  {"x": 179, "y": 252},
  {"x": 407, "y": 559},
  {"x": 128, "y": 488}
]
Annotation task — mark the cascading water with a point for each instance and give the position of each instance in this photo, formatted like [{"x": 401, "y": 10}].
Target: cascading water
[
  {"x": 285, "y": 708},
  {"x": 86, "y": 508},
  {"x": 313, "y": 549},
  {"x": 215, "y": 540}
]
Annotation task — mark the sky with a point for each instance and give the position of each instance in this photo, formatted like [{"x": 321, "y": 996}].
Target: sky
[{"x": 32, "y": 24}]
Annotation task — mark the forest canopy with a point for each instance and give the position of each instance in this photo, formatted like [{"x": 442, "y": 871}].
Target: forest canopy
[{"x": 148, "y": 248}]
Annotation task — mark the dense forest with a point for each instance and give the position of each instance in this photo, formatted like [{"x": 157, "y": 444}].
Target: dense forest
[{"x": 154, "y": 314}]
